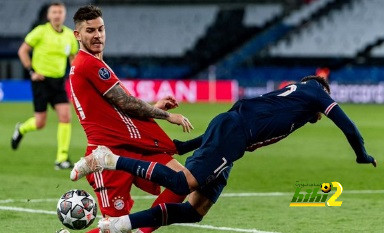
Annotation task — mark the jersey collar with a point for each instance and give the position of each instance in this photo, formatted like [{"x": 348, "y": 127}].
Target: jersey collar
[{"x": 82, "y": 50}]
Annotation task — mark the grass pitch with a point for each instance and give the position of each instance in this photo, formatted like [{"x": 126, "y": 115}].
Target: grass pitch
[{"x": 265, "y": 178}]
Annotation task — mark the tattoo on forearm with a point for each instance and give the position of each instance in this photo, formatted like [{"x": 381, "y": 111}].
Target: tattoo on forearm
[{"x": 133, "y": 106}]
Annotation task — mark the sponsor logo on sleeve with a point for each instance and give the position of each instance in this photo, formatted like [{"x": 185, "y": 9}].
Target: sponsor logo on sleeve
[{"x": 104, "y": 73}]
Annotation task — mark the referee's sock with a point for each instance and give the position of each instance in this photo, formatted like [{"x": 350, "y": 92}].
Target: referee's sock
[
  {"x": 158, "y": 173},
  {"x": 63, "y": 140},
  {"x": 28, "y": 126}
]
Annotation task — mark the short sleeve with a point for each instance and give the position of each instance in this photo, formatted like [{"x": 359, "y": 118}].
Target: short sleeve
[
  {"x": 74, "y": 45},
  {"x": 100, "y": 76},
  {"x": 33, "y": 37}
]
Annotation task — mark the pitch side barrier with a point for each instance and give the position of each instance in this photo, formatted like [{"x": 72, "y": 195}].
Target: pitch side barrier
[
  {"x": 193, "y": 91},
  {"x": 148, "y": 90},
  {"x": 341, "y": 93}
]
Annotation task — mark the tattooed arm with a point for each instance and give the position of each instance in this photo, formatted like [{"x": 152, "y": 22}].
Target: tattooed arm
[
  {"x": 133, "y": 106},
  {"x": 137, "y": 108}
]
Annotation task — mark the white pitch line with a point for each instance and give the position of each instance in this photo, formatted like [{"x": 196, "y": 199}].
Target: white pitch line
[
  {"x": 35, "y": 211},
  {"x": 19, "y": 209},
  {"x": 363, "y": 191},
  {"x": 272, "y": 194},
  {"x": 261, "y": 194}
]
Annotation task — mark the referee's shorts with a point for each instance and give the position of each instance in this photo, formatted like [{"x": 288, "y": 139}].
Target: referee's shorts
[{"x": 50, "y": 90}]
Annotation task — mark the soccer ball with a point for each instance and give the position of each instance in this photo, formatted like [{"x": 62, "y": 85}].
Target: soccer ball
[
  {"x": 76, "y": 209},
  {"x": 325, "y": 187}
]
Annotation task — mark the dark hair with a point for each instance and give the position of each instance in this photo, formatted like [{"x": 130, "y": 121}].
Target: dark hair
[
  {"x": 320, "y": 80},
  {"x": 86, "y": 13},
  {"x": 56, "y": 3}
]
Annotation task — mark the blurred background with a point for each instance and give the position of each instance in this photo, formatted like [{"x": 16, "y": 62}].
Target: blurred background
[{"x": 219, "y": 50}]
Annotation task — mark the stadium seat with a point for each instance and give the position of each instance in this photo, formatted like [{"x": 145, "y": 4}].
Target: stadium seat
[
  {"x": 341, "y": 33},
  {"x": 17, "y": 17},
  {"x": 378, "y": 52},
  {"x": 259, "y": 14},
  {"x": 25, "y": 11},
  {"x": 154, "y": 30}
]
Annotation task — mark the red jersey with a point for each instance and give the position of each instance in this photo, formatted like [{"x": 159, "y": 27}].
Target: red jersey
[{"x": 103, "y": 123}]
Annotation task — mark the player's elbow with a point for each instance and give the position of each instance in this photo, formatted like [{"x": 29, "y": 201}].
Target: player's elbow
[
  {"x": 23, "y": 50},
  {"x": 21, "y": 53}
]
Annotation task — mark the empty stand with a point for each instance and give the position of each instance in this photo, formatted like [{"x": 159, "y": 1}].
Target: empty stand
[
  {"x": 305, "y": 12},
  {"x": 378, "y": 51},
  {"x": 154, "y": 30},
  {"x": 342, "y": 33},
  {"x": 16, "y": 17},
  {"x": 259, "y": 14}
]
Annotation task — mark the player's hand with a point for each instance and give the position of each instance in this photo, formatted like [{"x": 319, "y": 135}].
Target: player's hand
[
  {"x": 179, "y": 119},
  {"x": 167, "y": 103},
  {"x": 367, "y": 159},
  {"x": 37, "y": 77}
]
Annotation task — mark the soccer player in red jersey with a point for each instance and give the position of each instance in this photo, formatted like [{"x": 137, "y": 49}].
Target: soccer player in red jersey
[{"x": 112, "y": 117}]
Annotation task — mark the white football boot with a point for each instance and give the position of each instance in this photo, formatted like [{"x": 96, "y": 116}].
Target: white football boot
[
  {"x": 115, "y": 225},
  {"x": 101, "y": 158},
  {"x": 62, "y": 231}
]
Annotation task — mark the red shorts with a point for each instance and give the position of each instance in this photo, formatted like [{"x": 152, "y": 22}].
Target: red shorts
[{"x": 113, "y": 188}]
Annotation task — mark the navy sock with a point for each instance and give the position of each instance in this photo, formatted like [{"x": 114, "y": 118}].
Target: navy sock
[
  {"x": 158, "y": 173},
  {"x": 187, "y": 146},
  {"x": 165, "y": 214}
]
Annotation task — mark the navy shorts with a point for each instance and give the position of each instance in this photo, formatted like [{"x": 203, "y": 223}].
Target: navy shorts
[
  {"x": 224, "y": 142},
  {"x": 50, "y": 90}
]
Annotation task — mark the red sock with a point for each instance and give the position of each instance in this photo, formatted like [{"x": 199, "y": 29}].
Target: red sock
[
  {"x": 167, "y": 196},
  {"x": 96, "y": 230}
]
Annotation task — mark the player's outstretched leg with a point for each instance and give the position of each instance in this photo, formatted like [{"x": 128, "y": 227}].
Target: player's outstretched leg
[
  {"x": 120, "y": 224},
  {"x": 161, "y": 215},
  {"x": 100, "y": 158},
  {"x": 103, "y": 158}
]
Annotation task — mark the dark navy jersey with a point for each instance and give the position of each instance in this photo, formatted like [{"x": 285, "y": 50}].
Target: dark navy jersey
[
  {"x": 276, "y": 114},
  {"x": 273, "y": 116}
]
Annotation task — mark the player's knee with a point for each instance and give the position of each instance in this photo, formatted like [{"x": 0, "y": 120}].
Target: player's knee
[
  {"x": 63, "y": 112},
  {"x": 65, "y": 118},
  {"x": 180, "y": 184}
]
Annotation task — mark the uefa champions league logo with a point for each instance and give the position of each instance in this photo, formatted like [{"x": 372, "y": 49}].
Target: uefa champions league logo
[
  {"x": 310, "y": 196},
  {"x": 104, "y": 73}
]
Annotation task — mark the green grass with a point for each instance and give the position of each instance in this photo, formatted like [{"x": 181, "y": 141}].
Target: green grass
[{"x": 315, "y": 153}]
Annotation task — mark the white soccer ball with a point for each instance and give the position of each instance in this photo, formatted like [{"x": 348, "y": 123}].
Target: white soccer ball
[{"x": 76, "y": 209}]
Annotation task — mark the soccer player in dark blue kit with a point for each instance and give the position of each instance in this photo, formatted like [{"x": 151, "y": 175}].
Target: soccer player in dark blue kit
[{"x": 248, "y": 125}]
